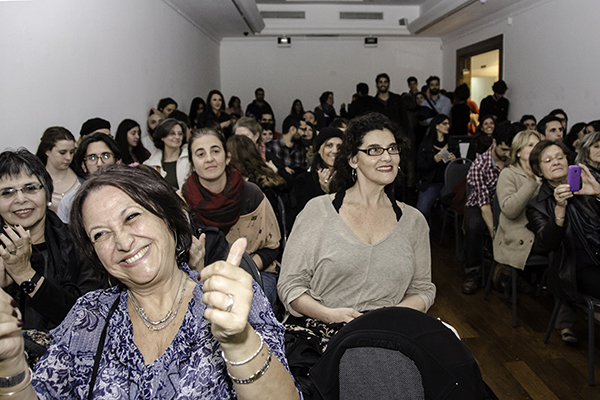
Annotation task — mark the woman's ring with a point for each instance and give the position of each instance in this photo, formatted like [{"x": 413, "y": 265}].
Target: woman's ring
[
  {"x": 13, "y": 252},
  {"x": 326, "y": 180},
  {"x": 18, "y": 247},
  {"x": 230, "y": 304}
]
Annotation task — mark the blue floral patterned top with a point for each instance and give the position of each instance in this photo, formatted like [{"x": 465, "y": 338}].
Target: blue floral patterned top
[{"x": 190, "y": 368}]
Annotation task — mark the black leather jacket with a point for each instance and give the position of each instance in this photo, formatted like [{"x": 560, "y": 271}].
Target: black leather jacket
[{"x": 561, "y": 243}]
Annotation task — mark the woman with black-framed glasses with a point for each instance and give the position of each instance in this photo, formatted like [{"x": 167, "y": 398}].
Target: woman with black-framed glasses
[
  {"x": 39, "y": 265},
  {"x": 356, "y": 249}
]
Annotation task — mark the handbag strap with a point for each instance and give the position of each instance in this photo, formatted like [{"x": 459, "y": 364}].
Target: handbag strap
[
  {"x": 432, "y": 106},
  {"x": 101, "y": 347}
]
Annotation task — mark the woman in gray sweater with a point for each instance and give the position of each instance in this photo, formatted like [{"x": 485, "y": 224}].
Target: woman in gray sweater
[{"x": 358, "y": 249}]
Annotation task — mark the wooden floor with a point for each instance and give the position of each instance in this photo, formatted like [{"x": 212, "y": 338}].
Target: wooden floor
[{"x": 514, "y": 362}]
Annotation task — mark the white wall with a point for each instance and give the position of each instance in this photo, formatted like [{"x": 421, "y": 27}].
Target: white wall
[
  {"x": 64, "y": 61},
  {"x": 314, "y": 65},
  {"x": 550, "y": 56}
]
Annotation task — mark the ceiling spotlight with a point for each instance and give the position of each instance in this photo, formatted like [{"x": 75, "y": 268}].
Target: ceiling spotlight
[{"x": 284, "y": 41}]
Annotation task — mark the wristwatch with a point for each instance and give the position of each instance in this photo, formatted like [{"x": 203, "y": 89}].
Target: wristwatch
[{"x": 28, "y": 286}]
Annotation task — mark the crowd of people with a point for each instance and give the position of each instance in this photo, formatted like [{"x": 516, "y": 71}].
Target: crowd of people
[{"x": 119, "y": 256}]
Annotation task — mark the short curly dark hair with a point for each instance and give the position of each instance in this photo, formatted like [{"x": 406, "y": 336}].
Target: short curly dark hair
[
  {"x": 146, "y": 188},
  {"x": 353, "y": 138}
]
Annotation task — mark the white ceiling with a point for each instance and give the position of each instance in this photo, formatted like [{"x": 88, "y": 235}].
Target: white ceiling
[{"x": 236, "y": 18}]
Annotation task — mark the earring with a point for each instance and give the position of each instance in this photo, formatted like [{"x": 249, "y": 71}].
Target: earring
[
  {"x": 49, "y": 204},
  {"x": 354, "y": 174}
]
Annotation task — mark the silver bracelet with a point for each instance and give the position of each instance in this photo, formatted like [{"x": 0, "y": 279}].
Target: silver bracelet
[
  {"x": 252, "y": 357},
  {"x": 256, "y": 375}
]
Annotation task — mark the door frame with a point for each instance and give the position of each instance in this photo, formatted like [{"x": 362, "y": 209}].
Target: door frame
[{"x": 465, "y": 54}]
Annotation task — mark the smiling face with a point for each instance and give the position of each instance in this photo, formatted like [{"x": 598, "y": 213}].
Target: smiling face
[
  {"x": 383, "y": 85},
  {"x": 216, "y": 102},
  {"x": 174, "y": 139},
  {"x": 329, "y": 150},
  {"x": 133, "y": 244},
  {"x": 27, "y": 210},
  {"x": 209, "y": 159},
  {"x": 382, "y": 169},
  {"x": 61, "y": 155},
  {"x": 487, "y": 126},
  {"x": 133, "y": 136},
  {"x": 554, "y": 165}
]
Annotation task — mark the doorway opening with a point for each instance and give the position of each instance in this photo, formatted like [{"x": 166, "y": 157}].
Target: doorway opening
[{"x": 479, "y": 66}]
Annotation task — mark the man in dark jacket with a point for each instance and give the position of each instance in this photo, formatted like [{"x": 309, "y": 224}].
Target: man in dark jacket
[
  {"x": 259, "y": 106},
  {"x": 390, "y": 104},
  {"x": 496, "y": 104}
]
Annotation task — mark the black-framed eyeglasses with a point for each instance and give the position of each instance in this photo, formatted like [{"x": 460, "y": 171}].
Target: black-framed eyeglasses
[
  {"x": 377, "y": 151},
  {"x": 27, "y": 190},
  {"x": 93, "y": 158}
]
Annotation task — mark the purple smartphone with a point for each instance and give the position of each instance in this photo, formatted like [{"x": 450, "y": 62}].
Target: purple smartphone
[{"x": 574, "y": 178}]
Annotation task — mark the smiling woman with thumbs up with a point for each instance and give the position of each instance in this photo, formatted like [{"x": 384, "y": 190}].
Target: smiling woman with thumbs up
[{"x": 165, "y": 331}]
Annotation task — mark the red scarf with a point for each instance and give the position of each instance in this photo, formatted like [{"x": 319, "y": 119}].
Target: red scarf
[{"x": 221, "y": 210}]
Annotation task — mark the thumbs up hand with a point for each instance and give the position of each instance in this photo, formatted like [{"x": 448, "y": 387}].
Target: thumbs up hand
[{"x": 228, "y": 295}]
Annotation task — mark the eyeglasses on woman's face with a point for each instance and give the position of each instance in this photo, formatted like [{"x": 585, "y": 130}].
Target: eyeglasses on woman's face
[
  {"x": 93, "y": 158},
  {"x": 558, "y": 157},
  {"x": 27, "y": 190},
  {"x": 378, "y": 150}
]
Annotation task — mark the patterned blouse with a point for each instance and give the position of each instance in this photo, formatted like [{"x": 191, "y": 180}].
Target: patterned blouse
[{"x": 190, "y": 368}]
